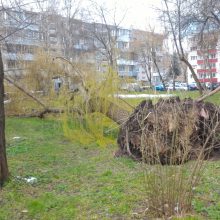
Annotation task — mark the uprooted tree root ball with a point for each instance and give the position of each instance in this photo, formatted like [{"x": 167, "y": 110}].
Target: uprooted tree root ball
[{"x": 172, "y": 131}]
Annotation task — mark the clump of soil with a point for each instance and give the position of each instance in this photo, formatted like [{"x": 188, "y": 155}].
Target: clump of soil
[{"x": 171, "y": 131}]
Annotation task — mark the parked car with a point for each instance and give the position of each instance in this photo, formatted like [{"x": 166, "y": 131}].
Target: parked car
[
  {"x": 131, "y": 87},
  {"x": 178, "y": 86},
  {"x": 159, "y": 87},
  {"x": 213, "y": 86},
  {"x": 192, "y": 87},
  {"x": 183, "y": 86}
]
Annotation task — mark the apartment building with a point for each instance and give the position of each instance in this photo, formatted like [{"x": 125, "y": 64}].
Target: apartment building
[
  {"x": 205, "y": 58},
  {"x": 18, "y": 39},
  {"x": 97, "y": 44},
  {"x": 150, "y": 56}
]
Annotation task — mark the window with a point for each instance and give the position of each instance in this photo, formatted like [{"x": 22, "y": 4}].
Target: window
[
  {"x": 212, "y": 56},
  {"x": 122, "y": 45},
  {"x": 53, "y": 39},
  {"x": 121, "y": 68},
  {"x": 193, "y": 57},
  {"x": 11, "y": 48},
  {"x": 202, "y": 66},
  {"x": 123, "y": 32},
  {"x": 28, "y": 49},
  {"x": 11, "y": 64},
  {"x": 36, "y": 35},
  {"x": 213, "y": 74},
  {"x": 193, "y": 48},
  {"x": 212, "y": 65},
  {"x": 131, "y": 68}
]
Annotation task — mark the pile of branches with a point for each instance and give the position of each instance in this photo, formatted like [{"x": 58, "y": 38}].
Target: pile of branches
[{"x": 172, "y": 131}]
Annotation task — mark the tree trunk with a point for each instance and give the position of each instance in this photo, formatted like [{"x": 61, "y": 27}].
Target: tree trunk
[
  {"x": 3, "y": 159},
  {"x": 161, "y": 78},
  {"x": 174, "y": 86},
  {"x": 183, "y": 59},
  {"x": 110, "y": 109}
]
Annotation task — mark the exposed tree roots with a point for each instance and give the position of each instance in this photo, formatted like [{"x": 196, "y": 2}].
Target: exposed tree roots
[{"x": 171, "y": 131}]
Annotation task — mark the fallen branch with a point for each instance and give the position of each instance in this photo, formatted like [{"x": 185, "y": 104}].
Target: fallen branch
[
  {"x": 27, "y": 93},
  {"x": 39, "y": 114},
  {"x": 208, "y": 95}
]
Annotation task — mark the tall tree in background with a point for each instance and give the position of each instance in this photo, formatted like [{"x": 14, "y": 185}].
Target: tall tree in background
[
  {"x": 105, "y": 32},
  {"x": 148, "y": 46},
  {"x": 175, "y": 69},
  {"x": 175, "y": 14},
  {"x": 70, "y": 26},
  {"x": 204, "y": 14}
]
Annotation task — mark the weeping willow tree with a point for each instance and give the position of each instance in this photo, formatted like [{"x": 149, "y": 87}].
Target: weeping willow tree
[{"x": 91, "y": 112}]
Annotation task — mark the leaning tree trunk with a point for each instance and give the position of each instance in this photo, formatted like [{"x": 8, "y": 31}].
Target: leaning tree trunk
[
  {"x": 108, "y": 108},
  {"x": 3, "y": 159}
]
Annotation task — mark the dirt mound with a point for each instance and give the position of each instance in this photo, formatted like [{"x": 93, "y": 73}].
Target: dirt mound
[{"x": 171, "y": 131}]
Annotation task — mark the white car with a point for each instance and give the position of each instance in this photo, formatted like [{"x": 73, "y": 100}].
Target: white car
[
  {"x": 183, "y": 86},
  {"x": 178, "y": 86}
]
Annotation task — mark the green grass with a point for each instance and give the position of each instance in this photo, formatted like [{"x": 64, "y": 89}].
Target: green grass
[
  {"x": 81, "y": 182},
  {"x": 74, "y": 182}
]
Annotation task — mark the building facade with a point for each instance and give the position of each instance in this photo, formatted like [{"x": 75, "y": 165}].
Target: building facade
[
  {"x": 24, "y": 32},
  {"x": 205, "y": 59}
]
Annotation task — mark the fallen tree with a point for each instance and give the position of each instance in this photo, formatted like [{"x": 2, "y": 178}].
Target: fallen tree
[{"x": 171, "y": 131}]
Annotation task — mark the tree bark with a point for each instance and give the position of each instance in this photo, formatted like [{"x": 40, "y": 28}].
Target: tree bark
[
  {"x": 174, "y": 86},
  {"x": 110, "y": 109},
  {"x": 208, "y": 95},
  {"x": 4, "y": 173},
  {"x": 158, "y": 70},
  {"x": 183, "y": 59}
]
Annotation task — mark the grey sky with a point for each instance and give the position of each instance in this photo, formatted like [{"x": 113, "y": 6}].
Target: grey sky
[{"x": 140, "y": 13}]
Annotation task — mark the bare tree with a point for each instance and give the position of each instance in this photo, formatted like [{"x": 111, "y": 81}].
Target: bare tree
[
  {"x": 105, "y": 32},
  {"x": 204, "y": 14},
  {"x": 142, "y": 49},
  {"x": 149, "y": 48},
  {"x": 178, "y": 27},
  {"x": 155, "y": 61},
  {"x": 70, "y": 27},
  {"x": 175, "y": 69}
]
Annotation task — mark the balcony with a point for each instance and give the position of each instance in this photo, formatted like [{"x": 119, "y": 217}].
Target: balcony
[
  {"x": 207, "y": 70},
  {"x": 126, "y": 62},
  {"x": 127, "y": 73},
  {"x": 211, "y": 51},
  {"x": 215, "y": 60},
  {"x": 212, "y": 80}
]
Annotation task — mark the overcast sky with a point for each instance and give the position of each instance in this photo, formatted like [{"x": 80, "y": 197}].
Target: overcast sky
[{"x": 140, "y": 13}]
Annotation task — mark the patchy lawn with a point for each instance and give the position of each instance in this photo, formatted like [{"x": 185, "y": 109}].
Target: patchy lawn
[{"x": 80, "y": 182}]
